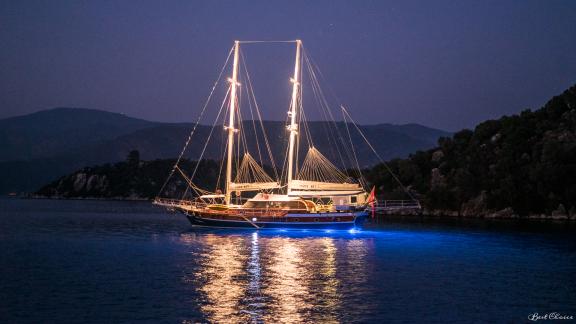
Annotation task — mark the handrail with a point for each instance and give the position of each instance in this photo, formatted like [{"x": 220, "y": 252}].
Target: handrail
[
  {"x": 237, "y": 212},
  {"x": 397, "y": 204},
  {"x": 173, "y": 202}
]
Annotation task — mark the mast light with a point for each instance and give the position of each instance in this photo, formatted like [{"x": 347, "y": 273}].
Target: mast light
[
  {"x": 292, "y": 128},
  {"x": 232, "y": 81}
]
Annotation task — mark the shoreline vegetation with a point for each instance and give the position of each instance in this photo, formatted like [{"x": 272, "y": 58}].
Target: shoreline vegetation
[
  {"x": 517, "y": 167},
  {"x": 520, "y": 166}
]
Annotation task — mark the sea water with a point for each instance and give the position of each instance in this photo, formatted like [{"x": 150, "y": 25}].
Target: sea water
[{"x": 101, "y": 261}]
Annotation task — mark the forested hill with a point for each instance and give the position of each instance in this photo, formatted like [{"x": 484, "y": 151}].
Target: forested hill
[
  {"x": 517, "y": 165},
  {"x": 522, "y": 165},
  {"x": 131, "y": 179},
  {"x": 41, "y": 147}
]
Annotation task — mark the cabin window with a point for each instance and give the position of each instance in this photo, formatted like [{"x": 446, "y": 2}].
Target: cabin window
[
  {"x": 294, "y": 204},
  {"x": 325, "y": 201},
  {"x": 353, "y": 199}
]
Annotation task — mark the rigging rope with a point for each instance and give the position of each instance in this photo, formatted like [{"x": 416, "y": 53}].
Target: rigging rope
[
  {"x": 197, "y": 122},
  {"x": 209, "y": 136},
  {"x": 194, "y": 187},
  {"x": 378, "y": 155},
  {"x": 326, "y": 111},
  {"x": 362, "y": 179},
  {"x": 250, "y": 90},
  {"x": 316, "y": 167},
  {"x": 267, "y": 41},
  {"x": 250, "y": 171}
]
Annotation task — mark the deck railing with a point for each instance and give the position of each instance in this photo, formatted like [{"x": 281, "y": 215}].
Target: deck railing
[
  {"x": 251, "y": 212},
  {"x": 174, "y": 202},
  {"x": 384, "y": 205}
]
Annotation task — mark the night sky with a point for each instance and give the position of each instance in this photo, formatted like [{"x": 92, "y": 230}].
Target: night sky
[{"x": 445, "y": 64}]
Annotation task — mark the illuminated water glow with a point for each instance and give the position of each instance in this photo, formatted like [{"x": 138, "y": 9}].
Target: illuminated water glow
[{"x": 139, "y": 266}]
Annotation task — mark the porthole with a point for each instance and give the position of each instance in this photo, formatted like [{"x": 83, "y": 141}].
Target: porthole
[{"x": 316, "y": 219}]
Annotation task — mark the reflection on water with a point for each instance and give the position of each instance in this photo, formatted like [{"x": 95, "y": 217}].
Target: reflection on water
[
  {"x": 331, "y": 302},
  {"x": 220, "y": 278},
  {"x": 117, "y": 262},
  {"x": 288, "y": 282},
  {"x": 255, "y": 301},
  {"x": 272, "y": 278}
]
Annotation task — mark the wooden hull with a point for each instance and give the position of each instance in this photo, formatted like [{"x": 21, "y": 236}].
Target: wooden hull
[{"x": 343, "y": 220}]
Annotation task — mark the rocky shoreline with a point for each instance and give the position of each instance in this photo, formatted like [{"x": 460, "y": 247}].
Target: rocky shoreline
[{"x": 507, "y": 213}]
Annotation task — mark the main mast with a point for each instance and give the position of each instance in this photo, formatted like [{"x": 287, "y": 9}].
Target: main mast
[
  {"x": 293, "y": 128},
  {"x": 230, "y": 128}
]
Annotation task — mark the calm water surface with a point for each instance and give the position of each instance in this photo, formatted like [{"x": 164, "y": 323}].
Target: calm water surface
[{"x": 89, "y": 261}]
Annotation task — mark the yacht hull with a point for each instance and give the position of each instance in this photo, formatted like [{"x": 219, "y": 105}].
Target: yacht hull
[{"x": 342, "y": 221}]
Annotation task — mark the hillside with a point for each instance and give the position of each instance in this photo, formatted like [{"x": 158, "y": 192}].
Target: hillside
[
  {"x": 166, "y": 142},
  {"x": 517, "y": 166},
  {"x": 130, "y": 179},
  {"x": 46, "y": 155},
  {"x": 523, "y": 165},
  {"x": 52, "y": 132}
]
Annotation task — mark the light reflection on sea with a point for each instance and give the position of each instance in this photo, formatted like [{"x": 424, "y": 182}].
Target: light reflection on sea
[
  {"x": 255, "y": 276},
  {"x": 86, "y": 261}
]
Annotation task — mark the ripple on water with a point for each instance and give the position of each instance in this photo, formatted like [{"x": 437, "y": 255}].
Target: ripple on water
[{"x": 115, "y": 261}]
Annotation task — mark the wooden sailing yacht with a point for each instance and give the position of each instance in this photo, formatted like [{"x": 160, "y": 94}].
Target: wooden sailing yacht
[{"x": 313, "y": 194}]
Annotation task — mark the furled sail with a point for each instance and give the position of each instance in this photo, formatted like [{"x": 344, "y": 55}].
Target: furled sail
[
  {"x": 319, "y": 177},
  {"x": 252, "y": 177}
]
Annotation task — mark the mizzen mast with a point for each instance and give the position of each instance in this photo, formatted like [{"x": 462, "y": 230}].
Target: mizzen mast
[
  {"x": 293, "y": 128},
  {"x": 231, "y": 129}
]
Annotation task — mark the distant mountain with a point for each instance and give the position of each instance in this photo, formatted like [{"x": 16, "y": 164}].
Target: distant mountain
[
  {"x": 41, "y": 147},
  {"x": 517, "y": 166},
  {"x": 52, "y": 132},
  {"x": 417, "y": 131},
  {"x": 166, "y": 142}
]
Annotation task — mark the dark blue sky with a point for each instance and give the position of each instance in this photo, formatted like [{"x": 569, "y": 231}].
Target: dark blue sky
[{"x": 446, "y": 64}]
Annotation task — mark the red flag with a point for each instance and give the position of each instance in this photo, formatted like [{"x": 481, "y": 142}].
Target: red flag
[{"x": 372, "y": 200}]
